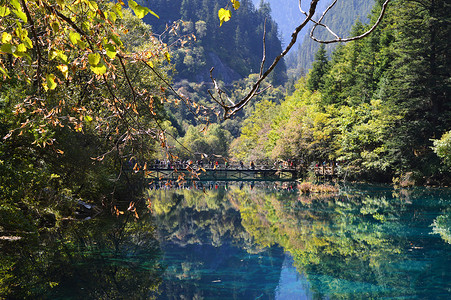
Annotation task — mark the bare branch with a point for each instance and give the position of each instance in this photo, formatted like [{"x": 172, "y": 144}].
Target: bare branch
[
  {"x": 230, "y": 110},
  {"x": 36, "y": 44},
  {"x": 264, "y": 49},
  {"x": 318, "y": 23},
  {"x": 343, "y": 40}
]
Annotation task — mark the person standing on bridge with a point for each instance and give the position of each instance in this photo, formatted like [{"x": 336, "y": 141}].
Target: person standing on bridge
[
  {"x": 252, "y": 165},
  {"x": 241, "y": 164}
]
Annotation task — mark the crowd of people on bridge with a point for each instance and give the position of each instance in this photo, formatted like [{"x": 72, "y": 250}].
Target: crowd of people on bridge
[{"x": 224, "y": 164}]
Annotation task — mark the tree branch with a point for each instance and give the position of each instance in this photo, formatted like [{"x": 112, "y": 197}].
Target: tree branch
[
  {"x": 36, "y": 44},
  {"x": 233, "y": 109},
  {"x": 343, "y": 40},
  {"x": 230, "y": 110}
]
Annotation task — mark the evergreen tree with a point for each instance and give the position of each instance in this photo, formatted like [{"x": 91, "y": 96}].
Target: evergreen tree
[
  {"x": 419, "y": 85},
  {"x": 320, "y": 68}
]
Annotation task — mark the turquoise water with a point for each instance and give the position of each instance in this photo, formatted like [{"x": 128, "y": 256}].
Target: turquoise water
[{"x": 245, "y": 241}]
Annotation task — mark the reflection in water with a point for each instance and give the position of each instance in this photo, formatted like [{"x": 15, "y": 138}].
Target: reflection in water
[
  {"x": 104, "y": 258},
  {"x": 363, "y": 243},
  {"x": 243, "y": 241}
]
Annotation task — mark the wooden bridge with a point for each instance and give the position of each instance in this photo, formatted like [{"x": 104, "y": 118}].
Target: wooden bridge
[
  {"x": 160, "y": 172},
  {"x": 325, "y": 170},
  {"x": 221, "y": 174}
]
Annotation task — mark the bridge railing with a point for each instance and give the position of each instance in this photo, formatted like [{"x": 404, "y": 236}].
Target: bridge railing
[
  {"x": 219, "y": 166},
  {"x": 324, "y": 170}
]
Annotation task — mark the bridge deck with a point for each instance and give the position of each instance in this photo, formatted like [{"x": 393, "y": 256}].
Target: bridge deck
[{"x": 219, "y": 174}]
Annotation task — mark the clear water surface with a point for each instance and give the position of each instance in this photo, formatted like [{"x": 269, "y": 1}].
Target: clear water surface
[{"x": 245, "y": 241}]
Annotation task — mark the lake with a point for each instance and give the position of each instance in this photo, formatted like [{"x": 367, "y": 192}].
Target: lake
[{"x": 265, "y": 240}]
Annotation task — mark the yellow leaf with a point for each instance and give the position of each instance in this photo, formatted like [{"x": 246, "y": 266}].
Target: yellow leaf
[
  {"x": 6, "y": 37},
  {"x": 21, "y": 15},
  {"x": 74, "y": 37},
  {"x": 64, "y": 69},
  {"x": 99, "y": 69},
  {"x": 4, "y": 11},
  {"x": 50, "y": 79},
  {"x": 224, "y": 15},
  {"x": 94, "y": 59},
  {"x": 168, "y": 56},
  {"x": 236, "y": 4}
]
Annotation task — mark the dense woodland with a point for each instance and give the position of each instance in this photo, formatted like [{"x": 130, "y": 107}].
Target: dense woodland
[
  {"x": 74, "y": 127},
  {"x": 374, "y": 107}
]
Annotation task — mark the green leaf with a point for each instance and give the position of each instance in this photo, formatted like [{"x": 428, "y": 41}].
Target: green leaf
[
  {"x": 88, "y": 118},
  {"x": 4, "y": 11},
  {"x": 110, "y": 50},
  {"x": 93, "y": 5},
  {"x": 118, "y": 10},
  {"x": 99, "y": 69},
  {"x": 15, "y": 4},
  {"x": 139, "y": 10},
  {"x": 50, "y": 79},
  {"x": 74, "y": 37},
  {"x": 7, "y": 48},
  {"x": 27, "y": 41},
  {"x": 153, "y": 13},
  {"x": 112, "y": 17},
  {"x": 62, "y": 56},
  {"x": 21, "y": 15},
  {"x": 224, "y": 15},
  {"x": 4, "y": 72},
  {"x": 21, "y": 49},
  {"x": 94, "y": 59},
  {"x": 55, "y": 26},
  {"x": 116, "y": 40}
]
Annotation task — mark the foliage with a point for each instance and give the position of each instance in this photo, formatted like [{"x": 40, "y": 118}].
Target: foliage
[
  {"x": 253, "y": 143},
  {"x": 341, "y": 19},
  {"x": 204, "y": 141},
  {"x": 443, "y": 148},
  {"x": 375, "y": 106},
  {"x": 81, "y": 95},
  {"x": 319, "y": 69}
]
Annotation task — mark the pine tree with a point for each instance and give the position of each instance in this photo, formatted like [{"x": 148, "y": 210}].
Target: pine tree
[
  {"x": 419, "y": 86},
  {"x": 320, "y": 68}
]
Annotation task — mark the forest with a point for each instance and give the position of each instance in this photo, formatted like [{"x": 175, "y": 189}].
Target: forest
[{"x": 92, "y": 90}]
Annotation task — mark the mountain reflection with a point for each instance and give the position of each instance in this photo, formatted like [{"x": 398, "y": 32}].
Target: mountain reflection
[{"x": 363, "y": 242}]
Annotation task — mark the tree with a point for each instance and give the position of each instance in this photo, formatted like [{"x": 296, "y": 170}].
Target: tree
[
  {"x": 320, "y": 68},
  {"x": 417, "y": 85},
  {"x": 81, "y": 96},
  {"x": 442, "y": 148}
]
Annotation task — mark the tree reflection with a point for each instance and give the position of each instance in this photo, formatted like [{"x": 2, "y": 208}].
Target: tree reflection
[
  {"x": 104, "y": 258},
  {"x": 442, "y": 226},
  {"x": 366, "y": 242},
  {"x": 356, "y": 245}
]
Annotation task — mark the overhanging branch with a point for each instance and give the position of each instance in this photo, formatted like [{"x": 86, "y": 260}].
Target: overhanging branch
[{"x": 230, "y": 110}]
